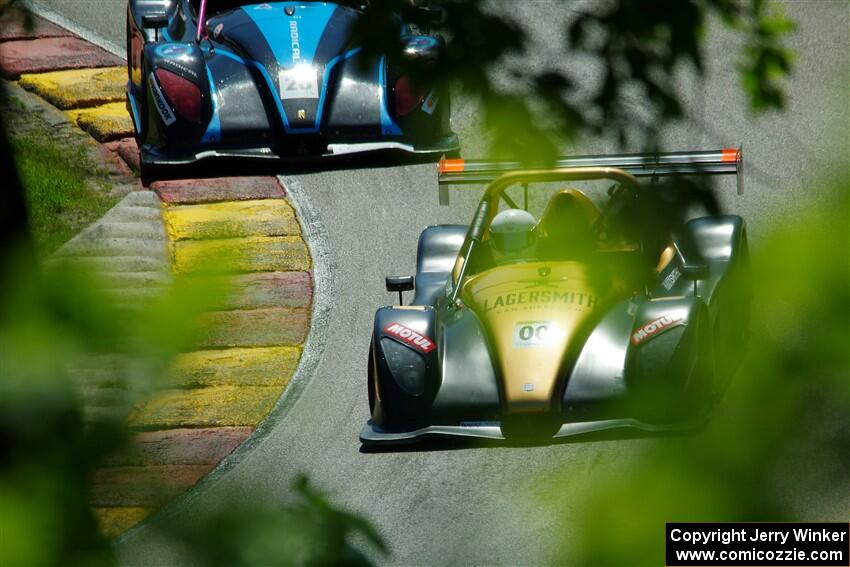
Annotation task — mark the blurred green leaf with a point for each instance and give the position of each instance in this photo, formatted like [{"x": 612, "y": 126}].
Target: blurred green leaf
[
  {"x": 778, "y": 437},
  {"x": 641, "y": 48}
]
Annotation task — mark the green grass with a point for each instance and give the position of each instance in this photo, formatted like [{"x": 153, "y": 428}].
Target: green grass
[{"x": 65, "y": 190}]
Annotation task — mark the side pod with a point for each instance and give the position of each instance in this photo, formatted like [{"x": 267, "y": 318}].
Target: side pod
[
  {"x": 669, "y": 367},
  {"x": 406, "y": 366},
  {"x": 177, "y": 95}
]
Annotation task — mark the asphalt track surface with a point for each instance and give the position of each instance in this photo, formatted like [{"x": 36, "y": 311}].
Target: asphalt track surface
[{"x": 450, "y": 504}]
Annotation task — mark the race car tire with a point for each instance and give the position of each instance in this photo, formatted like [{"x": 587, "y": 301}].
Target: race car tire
[
  {"x": 128, "y": 45},
  {"x": 732, "y": 319},
  {"x": 699, "y": 383},
  {"x": 370, "y": 380}
]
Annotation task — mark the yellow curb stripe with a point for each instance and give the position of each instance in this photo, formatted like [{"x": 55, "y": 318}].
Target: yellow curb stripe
[
  {"x": 206, "y": 407},
  {"x": 232, "y": 387},
  {"x": 115, "y": 521},
  {"x": 261, "y": 217},
  {"x": 249, "y": 254},
  {"x": 260, "y": 366},
  {"x": 79, "y": 87},
  {"x": 103, "y": 122},
  {"x": 252, "y": 328}
]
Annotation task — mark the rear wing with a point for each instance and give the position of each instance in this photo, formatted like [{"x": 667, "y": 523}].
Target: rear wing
[{"x": 726, "y": 161}]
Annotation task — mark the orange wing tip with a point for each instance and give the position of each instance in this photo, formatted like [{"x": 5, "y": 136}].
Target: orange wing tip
[
  {"x": 729, "y": 155},
  {"x": 450, "y": 166}
]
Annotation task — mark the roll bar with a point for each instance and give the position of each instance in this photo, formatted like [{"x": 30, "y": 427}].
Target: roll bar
[
  {"x": 202, "y": 21},
  {"x": 489, "y": 202}
]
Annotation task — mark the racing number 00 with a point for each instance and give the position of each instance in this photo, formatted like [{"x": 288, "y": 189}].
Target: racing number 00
[
  {"x": 533, "y": 333},
  {"x": 538, "y": 332}
]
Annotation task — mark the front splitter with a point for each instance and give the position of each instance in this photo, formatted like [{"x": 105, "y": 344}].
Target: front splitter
[
  {"x": 151, "y": 157},
  {"x": 373, "y": 434}
]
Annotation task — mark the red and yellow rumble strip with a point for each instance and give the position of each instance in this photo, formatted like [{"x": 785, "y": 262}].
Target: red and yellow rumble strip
[
  {"x": 216, "y": 394},
  {"x": 71, "y": 73}
]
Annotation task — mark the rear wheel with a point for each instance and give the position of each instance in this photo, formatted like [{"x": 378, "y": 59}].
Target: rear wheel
[
  {"x": 147, "y": 171},
  {"x": 732, "y": 320},
  {"x": 699, "y": 385}
]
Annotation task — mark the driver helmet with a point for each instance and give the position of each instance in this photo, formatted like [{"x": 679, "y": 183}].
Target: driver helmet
[{"x": 513, "y": 235}]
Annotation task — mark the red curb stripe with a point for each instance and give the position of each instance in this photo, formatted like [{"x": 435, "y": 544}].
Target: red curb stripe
[
  {"x": 269, "y": 289},
  {"x": 52, "y": 54},
  {"x": 213, "y": 189},
  {"x": 181, "y": 447},
  {"x": 159, "y": 466},
  {"x": 127, "y": 150},
  {"x": 144, "y": 486}
]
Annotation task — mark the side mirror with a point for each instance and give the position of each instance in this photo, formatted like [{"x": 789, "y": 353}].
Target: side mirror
[
  {"x": 400, "y": 284},
  {"x": 695, "y": 271},
  {"x": 692, "y": 265},
  {"x": 432, "y": 14},
  {"x": 154, "y": 21}
]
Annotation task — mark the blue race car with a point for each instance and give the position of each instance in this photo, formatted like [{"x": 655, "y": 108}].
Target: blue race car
[{"x": 280, "y": 80}]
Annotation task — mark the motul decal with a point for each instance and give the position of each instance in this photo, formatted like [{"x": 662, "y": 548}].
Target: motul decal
[
  {"x": 648, "y": 330},
  {"x": 411, "y": 337}
]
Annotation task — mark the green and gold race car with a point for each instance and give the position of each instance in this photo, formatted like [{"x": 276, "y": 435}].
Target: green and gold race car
[{"x": 568, "y": 324}]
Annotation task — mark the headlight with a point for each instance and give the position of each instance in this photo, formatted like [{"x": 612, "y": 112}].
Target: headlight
[{"x": 407, "y": 366}]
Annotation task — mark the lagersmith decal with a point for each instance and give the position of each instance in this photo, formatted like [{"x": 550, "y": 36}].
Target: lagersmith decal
[
  {"x": 411, "y": 337},
  {"x": 648, "y": 330},
  {"x": 568, "y": 298},
  {"x": 159, "y": 102}
]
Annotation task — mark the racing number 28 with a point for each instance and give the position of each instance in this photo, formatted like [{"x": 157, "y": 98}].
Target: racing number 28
[{"x": 298, "y": 83}]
